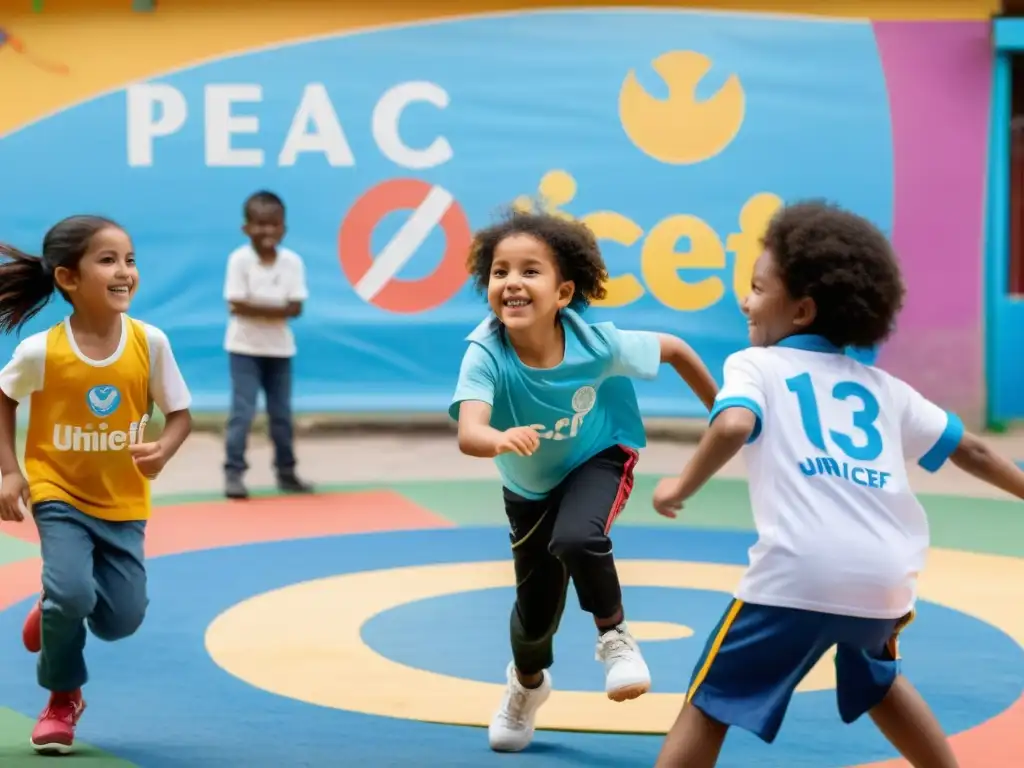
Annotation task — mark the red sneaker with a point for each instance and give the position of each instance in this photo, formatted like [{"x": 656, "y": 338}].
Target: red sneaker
[
  {"x": 32, "y": 631},
  {"x": 55, "y": 731}
]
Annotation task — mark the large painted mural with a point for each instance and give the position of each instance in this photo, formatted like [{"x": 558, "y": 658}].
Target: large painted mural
[{"x": 674, "y": 133}]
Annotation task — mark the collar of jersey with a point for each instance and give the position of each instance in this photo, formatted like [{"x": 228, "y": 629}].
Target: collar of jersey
[{"x": 810, "y": 343}]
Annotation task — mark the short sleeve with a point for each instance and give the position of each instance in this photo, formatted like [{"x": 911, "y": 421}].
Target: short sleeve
[
  {"x": 299, "y": 290},
  {"x": 236, "y": 287},
  {"x": 166, "y": 384},
  {"x": 636, "y": 354},
  {"x": 742, "y": 387},
  {"x": 478, "y": 379},
  {"x": 23, "y": 373},
  {"x": 929, "y": 434}
]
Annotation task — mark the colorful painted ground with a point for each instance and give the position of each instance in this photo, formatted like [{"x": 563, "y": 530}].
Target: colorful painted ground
[{"x": 366, "y": 625}]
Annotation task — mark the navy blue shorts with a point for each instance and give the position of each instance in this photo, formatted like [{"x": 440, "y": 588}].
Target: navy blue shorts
[{"x": 757, "y": 656}]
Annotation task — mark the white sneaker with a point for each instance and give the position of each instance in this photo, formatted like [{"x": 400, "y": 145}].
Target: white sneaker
[
  {"x": 511, "y": 728},
  {"x": 625, "y": 672}
]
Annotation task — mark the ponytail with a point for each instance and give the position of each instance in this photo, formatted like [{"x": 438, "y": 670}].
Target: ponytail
[
  {"x": 26, "y": 286},
  {"x": 27, "y": 283}
]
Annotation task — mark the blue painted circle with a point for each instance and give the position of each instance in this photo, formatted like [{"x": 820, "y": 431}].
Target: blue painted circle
[
  {"x": 479, "y": 651},
  {"x": 158, "y": 700}
]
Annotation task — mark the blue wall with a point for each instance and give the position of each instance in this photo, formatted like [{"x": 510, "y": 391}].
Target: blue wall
[{"x": 682, "y": 130}]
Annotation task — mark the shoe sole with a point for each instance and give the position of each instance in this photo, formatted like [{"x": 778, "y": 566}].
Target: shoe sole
[
  {"x": 53, "y": 749},
  {"x": 507, "y": 750},
  {"x": 629, "y": 692}
]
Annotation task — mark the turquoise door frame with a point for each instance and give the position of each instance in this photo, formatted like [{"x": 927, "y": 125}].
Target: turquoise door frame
[{"x": 1004, "y": 313}]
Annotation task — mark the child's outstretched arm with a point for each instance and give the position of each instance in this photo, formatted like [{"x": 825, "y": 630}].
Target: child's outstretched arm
[
  {"x": 476, "y": 435},
  {"x": 478, "y": 438},
  {"x": 690, "y": 368},
  {"x": 725, "y": 437},
  {"x": 736, "y": 419},
  {"x": 976, "y": 458}
]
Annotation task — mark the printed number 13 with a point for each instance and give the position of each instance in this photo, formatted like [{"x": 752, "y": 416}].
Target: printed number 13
[{"x": 864, "y": 419}]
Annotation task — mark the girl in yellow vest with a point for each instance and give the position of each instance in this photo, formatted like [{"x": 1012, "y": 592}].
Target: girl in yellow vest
[{"x": 90, "y": 383}]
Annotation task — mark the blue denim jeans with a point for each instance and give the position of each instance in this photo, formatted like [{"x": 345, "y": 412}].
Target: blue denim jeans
[
  {"x": 93, "y": 573},
  {"x": 249, "y": 375}
]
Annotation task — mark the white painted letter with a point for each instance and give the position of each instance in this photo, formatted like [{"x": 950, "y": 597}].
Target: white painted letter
[
  {"x": 326, "y": 135},
  {"x": 144, "y": 126},
  {"x": 385, "y": 125},
  {"x": 221, "y": 124}
]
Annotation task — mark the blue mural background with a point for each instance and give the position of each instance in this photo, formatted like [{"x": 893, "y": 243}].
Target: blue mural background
[{"x": 528, "y": 94}]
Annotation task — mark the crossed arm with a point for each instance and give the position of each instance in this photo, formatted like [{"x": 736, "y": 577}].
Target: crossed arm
[{"x": 247, "y": 309}]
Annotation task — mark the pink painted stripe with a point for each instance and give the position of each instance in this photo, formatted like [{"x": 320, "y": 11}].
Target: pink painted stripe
[{"x": 938, "y": 76}]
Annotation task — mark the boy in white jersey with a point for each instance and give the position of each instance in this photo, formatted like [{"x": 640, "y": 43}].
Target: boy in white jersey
[
  {"x": 89, "y": 383},
  {"x": 841, "y": 536},
  {"x": 548, "y": 396}
]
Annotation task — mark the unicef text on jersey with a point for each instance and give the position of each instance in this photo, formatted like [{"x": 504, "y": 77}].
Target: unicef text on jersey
[
  {"x": 97, "y": 438},
  {"x": 826, "y": 465},
  {"x": 583, "y": 401},
  {"x": 863, "y": 447}
]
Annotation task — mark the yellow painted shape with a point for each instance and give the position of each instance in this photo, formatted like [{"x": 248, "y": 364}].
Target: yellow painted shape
[
  {"x": 680, "y": 129},
  {"x": 655, "y": 631},
  {"x": 286, "y": 643}
]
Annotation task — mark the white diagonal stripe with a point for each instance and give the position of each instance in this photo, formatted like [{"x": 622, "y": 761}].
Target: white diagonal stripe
[{"x": 405, "y": 242}]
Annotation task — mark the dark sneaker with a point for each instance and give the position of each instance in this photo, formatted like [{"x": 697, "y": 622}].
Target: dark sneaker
[
  {"x": 290, "y": 483},
  {"x": 234, "y": 488}
]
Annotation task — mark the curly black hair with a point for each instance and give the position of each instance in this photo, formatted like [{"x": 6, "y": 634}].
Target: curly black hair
[
  {"x": 573, "y": 244},
  {"x": 845, "y": 264}
]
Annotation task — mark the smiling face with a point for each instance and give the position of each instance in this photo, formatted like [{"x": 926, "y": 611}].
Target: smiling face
[
  {"x": 106, "y": 278},
  {"x": 264, "y": 227},
  {"x": 772, "y": 314},
  {"x": 525, "y": 286}
]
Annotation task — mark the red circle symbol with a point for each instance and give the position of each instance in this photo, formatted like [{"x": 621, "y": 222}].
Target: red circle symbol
[{"x": 373, "y": 276}]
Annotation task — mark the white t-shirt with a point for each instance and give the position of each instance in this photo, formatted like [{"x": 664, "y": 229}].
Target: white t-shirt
[
  {"x": 269, "y": 285},
  {"x": 25, "y": 371},
  {"x": 839, "y": 528}
]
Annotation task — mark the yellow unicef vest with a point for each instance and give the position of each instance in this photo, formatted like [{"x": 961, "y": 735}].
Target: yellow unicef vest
[{"x": 80, "y": 426}]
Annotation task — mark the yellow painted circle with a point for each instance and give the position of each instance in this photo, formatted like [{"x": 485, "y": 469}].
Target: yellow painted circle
[
  {"x": 652, "y": 631},
  {"x": 286, "y": 643}
]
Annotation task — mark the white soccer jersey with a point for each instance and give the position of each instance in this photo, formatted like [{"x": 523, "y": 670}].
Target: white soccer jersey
[{"x": 839, "y": 529}]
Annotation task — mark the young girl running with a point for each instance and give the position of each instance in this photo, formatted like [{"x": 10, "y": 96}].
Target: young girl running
[
  {"x": 841, "y": 535},
  {"x": 90, "y": 383},
  {"x": 548, "y": 396}
]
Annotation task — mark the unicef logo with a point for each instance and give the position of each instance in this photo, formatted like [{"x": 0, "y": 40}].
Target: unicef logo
[
  {"x": 103, "y": 400},
  {"x": 583, "y": 399}
]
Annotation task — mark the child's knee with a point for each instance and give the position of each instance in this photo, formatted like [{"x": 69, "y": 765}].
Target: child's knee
[
  {"x": 568, "y": 547},
  {"x": 72, "y": 598},
  {"x": 119, "y": 623}
]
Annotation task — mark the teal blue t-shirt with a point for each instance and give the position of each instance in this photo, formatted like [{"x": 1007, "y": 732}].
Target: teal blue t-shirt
[{"x": 582, "y": 406}]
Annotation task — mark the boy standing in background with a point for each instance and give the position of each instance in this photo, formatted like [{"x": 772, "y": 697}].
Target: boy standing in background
[{"x": 265, "y": 288}]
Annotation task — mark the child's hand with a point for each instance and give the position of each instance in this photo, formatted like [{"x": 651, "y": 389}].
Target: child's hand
[
  {"x": 149, "y": 458},
  {"x": 668, "y": 497},
  {"x": 14, "y": 497},
  {"x": 521, "y": 440}
]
